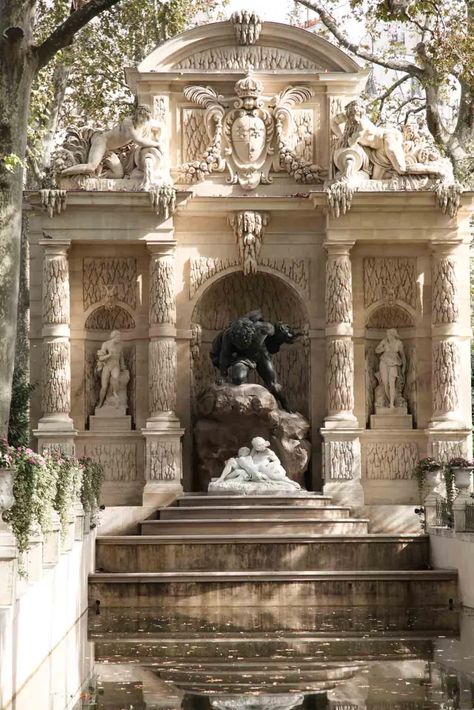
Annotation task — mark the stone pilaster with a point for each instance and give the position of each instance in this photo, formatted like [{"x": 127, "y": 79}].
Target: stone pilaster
[
  {"x": 55, "y": 428},
  {"x": 449, "y": 429},
  {"x": 341, "y": 450},
  {"x": 445, "y": 338},
  {"x": 163, "y": 469}
]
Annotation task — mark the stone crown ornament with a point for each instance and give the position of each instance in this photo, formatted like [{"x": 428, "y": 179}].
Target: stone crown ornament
[{"x": 249, "y": 86}]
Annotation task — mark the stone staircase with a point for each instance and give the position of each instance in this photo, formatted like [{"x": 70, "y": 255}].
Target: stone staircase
[{"x": 218, "y": 551}]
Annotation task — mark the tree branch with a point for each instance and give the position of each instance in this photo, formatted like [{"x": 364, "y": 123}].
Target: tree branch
[
  {"x": 63, "y": 35},
  {"x": 392, "y": 88},
  {"x": 396, "y": 65}
]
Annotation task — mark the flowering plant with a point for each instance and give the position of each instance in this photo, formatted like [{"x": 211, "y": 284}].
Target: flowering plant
[
  {"x": 92, "y": 477},
  {"x": 7, "y": 454},
  {"x": 428, "y": 464},
  {"x": 460, "y": 462},
  {"x": 34, "y": 487}
]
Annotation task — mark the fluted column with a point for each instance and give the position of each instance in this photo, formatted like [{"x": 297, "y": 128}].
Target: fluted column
[
  {"x": 163, "y": 433},
  {"x": 339, "y": 345},
  {"x": 55, "y": 428},
  {"x": 341, "y": 449}
]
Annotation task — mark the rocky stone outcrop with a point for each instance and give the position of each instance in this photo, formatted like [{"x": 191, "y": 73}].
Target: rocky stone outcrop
[{"x": 229, "y": 416}]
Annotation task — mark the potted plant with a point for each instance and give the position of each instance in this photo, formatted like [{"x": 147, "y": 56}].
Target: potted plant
[
  {"x": 462, "y": 469},
  {"x": 428, "y": 473}
]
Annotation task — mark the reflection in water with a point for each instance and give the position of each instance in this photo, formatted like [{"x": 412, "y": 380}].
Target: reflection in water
[{"x": 384, "y": 659}]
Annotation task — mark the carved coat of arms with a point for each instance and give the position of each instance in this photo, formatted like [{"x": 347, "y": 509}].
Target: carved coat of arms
[{"x": 250, "y": 138}]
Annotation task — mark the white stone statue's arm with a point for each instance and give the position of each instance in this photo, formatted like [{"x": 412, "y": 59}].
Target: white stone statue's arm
[
  {"x": 103, "y": 354},
  {"x": 141, "y": 140},
  {"x": 336, "y": 122},
  {"x": 230, "y": 464},
  {"x": 380, "y": 347},
  {"x": 403, "y": 357}
]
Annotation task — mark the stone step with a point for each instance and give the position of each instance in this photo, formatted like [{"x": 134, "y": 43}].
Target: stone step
[
  {"x": 267, "y": 512},
  {"x": 303, "y": 622},
  {"x": 413, "y": 588},
  {"x": 168, "y": 553},
  {"x": 309, "y": 652},
  {"x": 236, "y": 526},
  {"x": 312, "y": 500}
]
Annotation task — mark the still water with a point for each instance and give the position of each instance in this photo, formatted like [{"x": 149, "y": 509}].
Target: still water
[
  {"x": 280, "y": 659},
  {"x": 260, "y": 659}
]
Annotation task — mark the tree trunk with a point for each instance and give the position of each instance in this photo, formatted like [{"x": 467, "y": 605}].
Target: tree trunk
[{"x": 17, "y": 70}]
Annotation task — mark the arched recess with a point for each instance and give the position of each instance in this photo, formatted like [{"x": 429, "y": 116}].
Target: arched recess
[
  {"x": 98, "y": 326},
  {"x": 234, "y": 294},
  {"x": 379, "y": 318}
]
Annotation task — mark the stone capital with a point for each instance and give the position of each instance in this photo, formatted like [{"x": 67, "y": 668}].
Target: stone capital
[
  {"x": 336, "y": 249},
  {"x": 442, "y": 249},
  {"x": 161, "y": 247},
  {"x": 55, "y": 247}
]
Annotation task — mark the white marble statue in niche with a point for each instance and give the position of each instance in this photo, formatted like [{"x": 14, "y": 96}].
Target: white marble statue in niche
[
  {"x": 391, "y": 375},
  {"x": 254, "y": 471},
  {"x": 114, "y": 377}
]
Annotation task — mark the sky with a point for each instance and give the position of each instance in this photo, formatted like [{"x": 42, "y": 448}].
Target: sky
[{"x": 276, "y": 10}]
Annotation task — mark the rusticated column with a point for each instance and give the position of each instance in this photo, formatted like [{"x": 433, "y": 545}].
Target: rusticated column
[
  {"x": 445, "y": 337},
  {"x": 339, "y": 346},
  {"x": 55, "y": 428},
  {"x": 341, "y": 449},
  {"x": 162, "y": 348},
  {"x": 163, "y": 433}
]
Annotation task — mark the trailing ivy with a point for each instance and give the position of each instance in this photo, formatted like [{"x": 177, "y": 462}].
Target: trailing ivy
[
  {"x": 34, "y": 489},
  {"x": 68, "y": 488},
  {"x": 92, "y": 478},
  {"x": 18, "y": 424}
]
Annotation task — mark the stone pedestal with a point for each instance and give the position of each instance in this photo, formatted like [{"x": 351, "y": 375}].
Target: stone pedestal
[
  {"x": 112, "y": 419},
  {"x": 342, "y": 466},
  {"x": 163, "y": 464},
  {"x": 391, "y": 421}
]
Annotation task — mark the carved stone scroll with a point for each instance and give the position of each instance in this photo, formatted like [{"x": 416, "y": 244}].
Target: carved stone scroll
[
  {"x": 445, "y": 303},
  {"x": 391, "y": 461},
  {"x": 56, "y": 378},
  {"x": 390, "y": 279},
  {"x": 162, "y": 299},
  {"x": 340, "y": 376},
  {"x": 445, "y": 377},
  {"x": 162, "y": 377},
  {"x": 55, "y": 289},
  {"x": 106, "y": 278}
]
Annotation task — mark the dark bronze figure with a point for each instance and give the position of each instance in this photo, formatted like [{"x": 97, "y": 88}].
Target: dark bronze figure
[{"x": 248, "y": 344}]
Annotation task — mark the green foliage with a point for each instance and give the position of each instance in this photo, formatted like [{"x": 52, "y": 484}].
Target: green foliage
[
  {"x": 68, "y": 488},
  {"x": 92, "y": 478},
  {"x": 34, "y": 489},
  {"x": 86, "y": 83},
  {"x": 11, "y": 162},
  {"x": 18, "y": 425},
  {"x": 422, "y": 468}
]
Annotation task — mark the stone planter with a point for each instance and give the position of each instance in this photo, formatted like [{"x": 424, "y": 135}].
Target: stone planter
[
  {"x": 52, "y": 541},
  {"x": 463, "y": 479},
  {"x": 6, "y": 494},
  {"x": 432, "y": 480}
]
